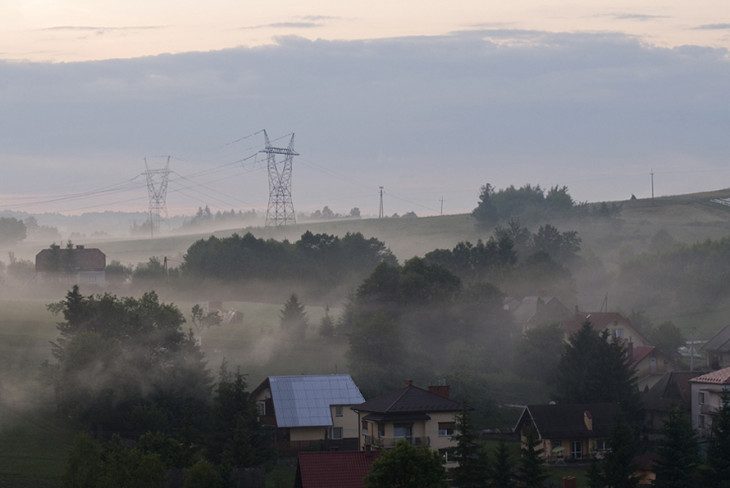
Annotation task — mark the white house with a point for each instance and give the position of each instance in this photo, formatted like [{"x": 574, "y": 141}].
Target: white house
[{"x": 707, "y": 398}]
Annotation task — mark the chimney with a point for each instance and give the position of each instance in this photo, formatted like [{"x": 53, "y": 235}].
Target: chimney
[
  {"x": 440, "y": 390},
  {"x": 570, "y": 482},
  {"x": 408, "y": 383}
]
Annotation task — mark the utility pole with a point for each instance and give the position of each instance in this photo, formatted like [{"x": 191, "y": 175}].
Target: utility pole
[
  {"x": 381, "y": 213},
  {"x": 442, "y": 205},
  {"x": 652, "y": 184},
  {"x": 280, "y": 211}
]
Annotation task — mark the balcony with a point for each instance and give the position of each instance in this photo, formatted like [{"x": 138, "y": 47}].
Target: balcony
[{"x": 390, "y": 442}]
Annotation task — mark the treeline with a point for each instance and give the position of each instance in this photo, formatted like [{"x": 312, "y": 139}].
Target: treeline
[
  {"x": 314, "y": 258},
  {"x": 205, "y": 217},
  {"x": 533, "y": 203}
]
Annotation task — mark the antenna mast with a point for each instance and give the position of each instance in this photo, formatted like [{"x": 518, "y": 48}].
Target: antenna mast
[
  {"x": 380, "y": 212},
  {"x": 280, "y": 211}
]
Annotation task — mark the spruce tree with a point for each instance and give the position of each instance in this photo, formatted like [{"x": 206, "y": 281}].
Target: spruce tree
[
  {"x": 327, "y": 325},
  {"x": 595, "y": 474},
  {"x": 718, "y": 451},
  {"x": 472, "y": 471},
  {"x": 502, "y": 473},
  {"x": 293, "y": 317},
  {"x": 678, "y": 453},
  {"x": 619, "y": 470},
  {"x": 531, "y": 472}
]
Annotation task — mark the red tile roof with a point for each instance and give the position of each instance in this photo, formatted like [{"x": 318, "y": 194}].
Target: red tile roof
[
  {"x": 639, "y": 353},
  {"x": 334, "y": 469},
  {"x": 598, "y": 320},
  {"x": 719, "y": 377}
]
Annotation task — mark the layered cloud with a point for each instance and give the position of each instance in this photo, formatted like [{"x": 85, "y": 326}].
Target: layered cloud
[{"x": 595, "y": 111}]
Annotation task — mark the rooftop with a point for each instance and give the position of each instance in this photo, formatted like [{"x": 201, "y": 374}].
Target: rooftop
[
  {"x": 719, "y": 377},
  {"x": 78, "y": 258},
  {"x": 305, "y": 400},
  {"x": 568, "y": 420},
  {"x": 345, "y": 469},
  {"x": 720, "y": 342},
  {"x": 410, "y": 399}
]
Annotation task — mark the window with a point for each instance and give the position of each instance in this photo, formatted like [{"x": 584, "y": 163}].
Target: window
[
  {"x": 338, "y": 411},
  {"x": 446, "y": 429},
  {"x": 261, "y": 408},
  {"x": 447, "y": 455},
  {"x": 601, "y": 445},
  {"x": 381, "y": 429},
  {"x": 336, "y": 433},
  {"x": 402, "y": 430},
  {"x": 576, "y": 450},
  {"x": 365, "y": 426},
  {"x": 701, "y": 421},
  {"x": 618, "y": 333},
  {"x": 701, "y": 398}
]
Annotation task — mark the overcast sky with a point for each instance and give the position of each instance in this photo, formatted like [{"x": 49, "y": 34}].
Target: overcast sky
[{"x": 428, "y": 101}]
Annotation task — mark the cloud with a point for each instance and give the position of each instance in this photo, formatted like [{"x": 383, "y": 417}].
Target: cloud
[
  {"x": 552, "y": 108},
  {"x": 318, "y": 18},
  {"x": 721, "y": 26},
  {"x": 100, "y": 30},
  {"x": 286, "y": 25},
  {"x": 634, "y": 16}
]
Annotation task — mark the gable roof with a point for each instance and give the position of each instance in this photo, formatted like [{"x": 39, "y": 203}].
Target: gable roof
[
  {"x": 75, "y": 259},
  {"x": 719, "y": 377},
  {"x": 344, "y": 469},
  {"x": 671, "y": 390},
  {"x": 720, "y": 341},
  {"x": 410, "y": 399},
  {"x": 599, "y": 320},
  {"x": 305, "y": 400},
  {"x": 567, "y": 420},
  {"x": 639, "y": 353}
]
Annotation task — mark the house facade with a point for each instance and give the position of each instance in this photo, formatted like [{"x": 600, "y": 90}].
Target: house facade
[
  {"x": 718, "y": 350},
  {"x": 618, "y": 326},
  {"x": 651, "y": 365},
  {"x": 71, "y": 266},
  {"x": 707, "y": 392},
  {"x": 569, "y": 432},
  {"x": 310, "y": 411},
  {"x": 415, "y": 415}
]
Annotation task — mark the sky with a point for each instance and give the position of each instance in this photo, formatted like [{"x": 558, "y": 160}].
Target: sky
[{"x": 429, "y": 99}]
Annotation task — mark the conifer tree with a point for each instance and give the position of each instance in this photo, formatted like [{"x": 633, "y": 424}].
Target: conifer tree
[
  {"x": 502, "y": 473},
  {"x": 293, "y": 317},
  {"x": 531, "y": 472},
  {"x": 327, "y": 325},
  {"x": 619, "y": 470},
  {"x": 718, "y": 452},
  {"x": 678, "y": 454},
  {"x": 472, "y": 471},
  {"x": 595, "y": 474}
]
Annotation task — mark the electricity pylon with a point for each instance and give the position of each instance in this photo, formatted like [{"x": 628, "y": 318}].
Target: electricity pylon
[
  {"x": 280, "y": 211},
  {"x": 157, "y": 180}
]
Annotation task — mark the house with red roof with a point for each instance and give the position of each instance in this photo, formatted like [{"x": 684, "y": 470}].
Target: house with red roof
[
  {"x": 618, "y": 326},
  {"x": 334, "y": 469},
  {"x": 707, "y": 391}
]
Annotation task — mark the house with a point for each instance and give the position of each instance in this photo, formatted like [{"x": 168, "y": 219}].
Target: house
[
  {"x": 412, "y": 414},
  {"x": 718, "y": 350},
  {"x": 707, "y": 391},
  {"x": 310, "y": 411},
  {"x": 341, "y": 469},
  {"x": 651, "y": 365},
  {"x": 71, "y": 265},
  {"x": 569, "y": 432},
  {"x": 618, "y": 326},
  {"x": 670, "y": 392},
  {"x": 535, "y": 311}
]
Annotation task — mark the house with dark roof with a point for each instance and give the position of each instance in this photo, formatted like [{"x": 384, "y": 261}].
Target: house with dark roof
[
  {"x": 341, "y": 469},
  {"x": 651, "y": 365},
  {"x": 670, "y": 392},
  {"x": 718, "y": 349},
  {"x": 422, "y": 417},
  {"x": 310, "y": 411},
  {"x": 535, "y": 311},
  {"x": 569, "y": 432},
  {"x": 707, "y": 392},
  {"x": 71, "y": 265},
  {"x": 618, "y": 326}
]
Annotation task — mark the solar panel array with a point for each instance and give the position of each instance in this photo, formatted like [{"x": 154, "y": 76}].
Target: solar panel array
[{"x": 305, "y": 401}]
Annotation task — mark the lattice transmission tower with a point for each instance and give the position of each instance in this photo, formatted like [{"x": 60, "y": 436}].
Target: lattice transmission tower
[
  {"x": 280, "y": 211},
  {"x": 157, "y": 180}
]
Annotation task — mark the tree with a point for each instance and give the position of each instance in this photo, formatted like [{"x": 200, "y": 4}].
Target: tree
[
  {"x": 473, "y": 469},
  {"x": 502, "y": 474},
  {"x": 486, "y": 212},
  {"x": 667, "y": 337},
  {"x": 531, "y": 472},
  {"x": 718, "y": 450},
  {"x": 678, "y": 453},
  {"x": 83, "y": 465},
  {"x": 596, "y": 369},
  {"x": 619, "y": 470},
  {"x": 538, "y": 353},
  {"x": 202, "y": 475},
  {"x": 595, "y": 474},
  {"x": 11, "y": 230},
  {"x": 406, "y": 466},
  {"x": 293, "y": 317},
  {"x": 327, "y": 325},
  {"x": 563, "y": 247},
  {"x": 355, "y": 213}
]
